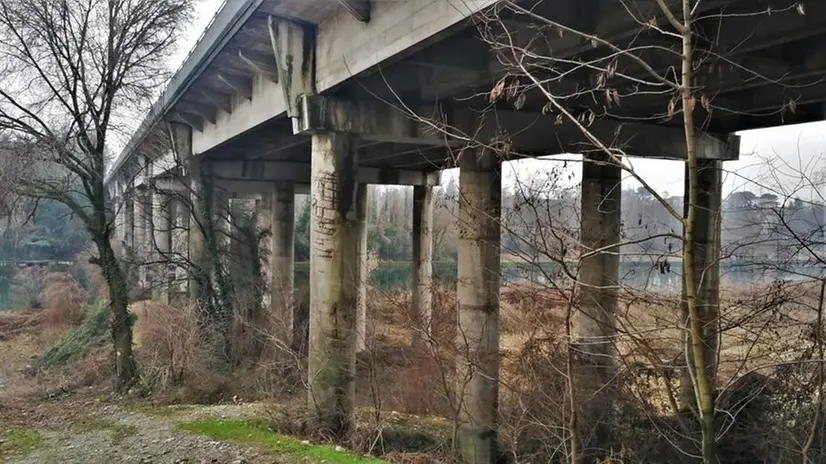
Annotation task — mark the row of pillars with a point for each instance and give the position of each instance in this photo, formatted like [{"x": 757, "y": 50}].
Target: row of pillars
[{"x": 337, "y": 276}]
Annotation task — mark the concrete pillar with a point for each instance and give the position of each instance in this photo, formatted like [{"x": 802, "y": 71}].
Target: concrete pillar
[
  {"x": 162, "y": 228},
  {"x": 363, "y": 276},
  {"x": 599, "y": 273},
  {"x": 278, "y": 213},
  {"x": 478, "y": 295},
  {"x": 200, "y": 206},
  {"x": 334, "y": 277},
  {"x": 422, "y": 265},
  {"x": 598, "y": 279},
  {"x": 706, "y": 244},
  {"x": 144, "y": 235},
  {"x": 129, "y": 222}
]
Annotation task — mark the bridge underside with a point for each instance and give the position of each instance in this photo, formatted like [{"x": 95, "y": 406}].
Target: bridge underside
[{"x": 250, "y": 124}]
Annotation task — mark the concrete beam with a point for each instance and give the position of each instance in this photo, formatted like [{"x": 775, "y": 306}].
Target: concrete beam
[
  {"x": 241, "y": 86},
  {"x": 259, "y": 65},
  {"x": 523, "y": 131},
  {"x": 258, "y": 170},
  {"x": 538, "y": 133},
  {"x": 371, "y": 120},
  {"x": 360, "y": 9},
  {"x": 294, "y": 48}
]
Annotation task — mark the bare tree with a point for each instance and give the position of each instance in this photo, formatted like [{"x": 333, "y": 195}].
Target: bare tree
[{"x": 71, "y": 70}]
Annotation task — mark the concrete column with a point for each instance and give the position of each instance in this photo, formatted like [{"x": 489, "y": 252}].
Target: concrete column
[
  {"x": 361, "y": 232},
  {"x": 334, "y": 278},
  {"x": 422, "y": 265},
  {"x": 162, "y": 222},
  {"x": 129, "y": 222},
  {"x": 598, "y": 279},
  {"x": 200, "y": 206},
  {"x": 599, "y": 273},
  {"x": 478, "y": 293},
  {"x": 282, "y": 258},
  {"x": 706, "y": 244},
  {"x": 144, "y": 235}
]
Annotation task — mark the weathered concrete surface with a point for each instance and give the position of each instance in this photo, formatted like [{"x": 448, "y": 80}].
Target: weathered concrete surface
[
  {"x": 200, "y": 207},
  {"x": 599, "y": 271},
  {"x": 478, "y": 294},
  {"x": 361, "y": 279},
  {"x": 282, "y": 258},
  {"x": 598, "y": 279},
  {"x": 335, "y": 246},
  {"x": 422, "y": 265},
  {"x": 706, "y": 241},
  {"x": 347, "y": 46},
  {"x": 162, "y": 246}
]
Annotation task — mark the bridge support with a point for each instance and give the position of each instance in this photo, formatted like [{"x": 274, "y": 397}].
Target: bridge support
[
  {"x": 478, "y": 294},
  {"x": 361, "y": 232},
  {"x": 706, "y": 243},
  {"x": 278, "y": 214},
  {"x": 162, "y": 222},
  {"x": 598, "y": 278},
  {"x": 335, "y": 276},
  {"x": 422, "y": 265}
]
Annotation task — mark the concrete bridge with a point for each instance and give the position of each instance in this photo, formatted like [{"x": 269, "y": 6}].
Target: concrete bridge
[{"x": 317, "y": 96}]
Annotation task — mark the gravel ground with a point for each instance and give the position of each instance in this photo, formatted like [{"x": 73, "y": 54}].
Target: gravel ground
[
  {"x": 130, "y": 437},
  {"x": 76, "y": 428}
]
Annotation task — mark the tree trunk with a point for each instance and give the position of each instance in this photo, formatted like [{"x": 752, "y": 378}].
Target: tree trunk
[{"x": 119, "y": 315}]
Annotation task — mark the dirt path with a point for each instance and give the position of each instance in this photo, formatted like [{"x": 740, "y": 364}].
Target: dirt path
[{"x": 79, "y": 428}]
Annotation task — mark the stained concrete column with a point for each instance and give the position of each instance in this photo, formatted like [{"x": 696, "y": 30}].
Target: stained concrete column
[
  {"x": 278, "y": 208},
  {"x": 478, "y": 294},
  {"x": 422, "y": 265},
  {"x": 361, "y": 232},
  {"x": 705, "y": 240},
  {"x": 335, "y": 246},
  {"x": 162, "y": 225}
]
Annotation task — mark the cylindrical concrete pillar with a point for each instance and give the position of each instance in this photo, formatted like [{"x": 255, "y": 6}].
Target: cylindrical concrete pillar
[
  {"x": 598, "y": 280},
  {"x": 478, "y": 294},
  {"x": 363, "y": 276},
  {"x": 162, "y": 222},
  {"x": 282, "y": 258},
  {"x": 199, "y": 209},
  {"x": 706, "y": 239},
  {"x": 599, "y": 273},
  {"x": 422, "y": 265},
  {"x": 143, "y": 235},
  {"x": 335, "y": 246}
]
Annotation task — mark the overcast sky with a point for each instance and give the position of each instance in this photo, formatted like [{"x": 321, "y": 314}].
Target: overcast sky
[{"x": 789, "y": 148}]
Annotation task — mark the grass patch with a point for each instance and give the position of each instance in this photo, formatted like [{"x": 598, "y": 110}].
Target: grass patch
[
  {"x": 256, "y": 432},
  {"x": 119, "y": 432},
  {"x": 93, "y": 333},
  {"x": 18, "y": 441}
]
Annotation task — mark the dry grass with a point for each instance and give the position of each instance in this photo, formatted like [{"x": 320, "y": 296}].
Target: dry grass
[
  {"x": 65, "y": 301},
  {"x": 176, "y": 354}
]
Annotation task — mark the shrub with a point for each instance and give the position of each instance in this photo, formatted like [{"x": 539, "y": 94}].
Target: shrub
[
  {"x": 82, "y": 340},
  {"x": 65, "y": 301},
  {"x": 177, "y": 354}
]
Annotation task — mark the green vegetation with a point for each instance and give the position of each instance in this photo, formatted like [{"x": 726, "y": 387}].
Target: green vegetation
[
  {"x": 93, "y": 333},
  {"x": 119, "y": 431},
  {"x": 256, "y": 432},
  {"x": 18, "y": 441}
]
